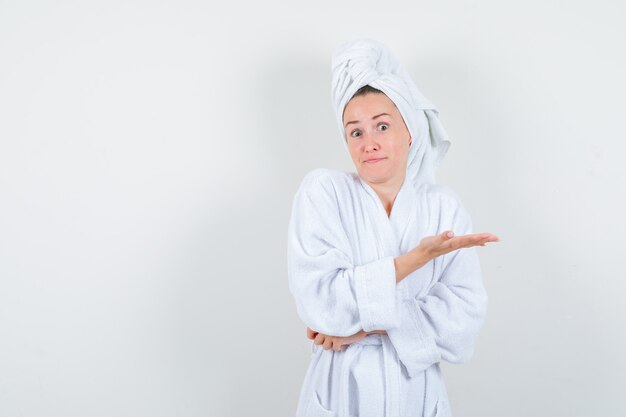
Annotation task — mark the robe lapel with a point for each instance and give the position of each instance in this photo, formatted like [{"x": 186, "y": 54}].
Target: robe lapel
[
  {"x": 392, "y": 229},
  {"x": 403, "y": 212}
]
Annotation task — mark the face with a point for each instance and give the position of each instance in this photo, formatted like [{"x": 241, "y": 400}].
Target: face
[{"x": 377, "y": 137}]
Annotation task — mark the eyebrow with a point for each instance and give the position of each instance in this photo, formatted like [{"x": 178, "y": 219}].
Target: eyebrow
[{"x": 378, "y": 115}]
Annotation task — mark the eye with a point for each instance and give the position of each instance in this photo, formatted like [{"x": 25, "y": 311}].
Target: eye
[
  {"x": 355, "y": 131},
  {"x": 383, "y": 125}
]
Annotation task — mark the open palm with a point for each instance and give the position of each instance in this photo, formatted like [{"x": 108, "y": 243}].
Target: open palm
[{"x": 446, "y": 242}]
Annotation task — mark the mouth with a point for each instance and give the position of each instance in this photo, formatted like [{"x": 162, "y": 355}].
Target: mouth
[{"x": 372, "y": 160}]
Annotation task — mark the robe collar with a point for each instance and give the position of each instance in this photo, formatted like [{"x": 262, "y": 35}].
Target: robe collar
[{"x": 392, "y": 229}]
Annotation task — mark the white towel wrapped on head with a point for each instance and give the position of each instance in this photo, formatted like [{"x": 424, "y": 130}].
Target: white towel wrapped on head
[{"x": 368, "y": 62}]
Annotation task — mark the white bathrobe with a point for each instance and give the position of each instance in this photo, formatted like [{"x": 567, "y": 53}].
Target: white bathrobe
[
  {"x": 341, "y": 247},
  {"x": 341, "y": 250}
]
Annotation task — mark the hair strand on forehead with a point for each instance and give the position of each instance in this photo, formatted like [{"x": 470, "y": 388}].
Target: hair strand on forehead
[{"x": 366, "y": 89}]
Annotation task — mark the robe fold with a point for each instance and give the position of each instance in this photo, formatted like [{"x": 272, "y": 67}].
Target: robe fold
[{"x": 341, "y": 250}]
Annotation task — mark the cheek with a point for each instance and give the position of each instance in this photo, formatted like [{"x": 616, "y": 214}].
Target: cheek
[
  {"x": 400, "y": 150},
  {"x": 354, "y": 151}
]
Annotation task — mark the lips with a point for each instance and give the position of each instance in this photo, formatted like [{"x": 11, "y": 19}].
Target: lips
[{"x": 373, "y": 160}]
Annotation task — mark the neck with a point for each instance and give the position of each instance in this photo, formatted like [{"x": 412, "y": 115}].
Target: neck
[{"x": 387, "y": 192}]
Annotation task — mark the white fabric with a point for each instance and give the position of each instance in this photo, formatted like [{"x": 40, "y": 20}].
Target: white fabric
[
  {"x": 366, "y": 61},
  {"x": 341, "y": 250},
  {"x": 341, "y": 247}
]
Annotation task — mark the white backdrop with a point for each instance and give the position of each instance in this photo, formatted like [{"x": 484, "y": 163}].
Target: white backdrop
[{"x": 149, "y": 153}]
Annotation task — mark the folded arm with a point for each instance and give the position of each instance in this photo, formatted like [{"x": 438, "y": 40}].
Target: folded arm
[{"x": 333, "y": 295}]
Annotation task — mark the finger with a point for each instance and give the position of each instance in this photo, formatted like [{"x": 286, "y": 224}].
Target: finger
[
  {"x": 448, "y": 234},
  {"x": 337, "y": 343},
  {"x": 445, "y": 243},
  {"x": 328, "y": 343},
  {"x": 471, "y": 243},
  {"x": 489, "y": 237},
  {"x": 473, "y": 240},
  {"x": 310, "y": 333},
  {"x": 319, "y": 339}
]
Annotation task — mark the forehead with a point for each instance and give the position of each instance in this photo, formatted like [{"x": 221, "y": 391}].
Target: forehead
[{"x": 365, "y": 106}]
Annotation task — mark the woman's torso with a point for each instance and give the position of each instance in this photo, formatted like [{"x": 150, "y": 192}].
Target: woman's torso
[{"x": 367, "y": 377}]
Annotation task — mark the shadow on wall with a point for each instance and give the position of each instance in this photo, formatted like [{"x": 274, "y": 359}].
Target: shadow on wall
[
  {"x": 294, "y": 98},
  {"x": 236, "y": 255},
  {"x": 230, "y": 265}
]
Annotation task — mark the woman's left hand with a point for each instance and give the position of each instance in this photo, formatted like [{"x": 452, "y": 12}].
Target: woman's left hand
[{"x": 335, "y": 343}]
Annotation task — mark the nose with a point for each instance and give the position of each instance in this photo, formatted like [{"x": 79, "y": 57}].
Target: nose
[{"x": 370, "y": 143}]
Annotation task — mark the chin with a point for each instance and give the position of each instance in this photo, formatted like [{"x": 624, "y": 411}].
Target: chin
[{"x": 375, "y": 179}]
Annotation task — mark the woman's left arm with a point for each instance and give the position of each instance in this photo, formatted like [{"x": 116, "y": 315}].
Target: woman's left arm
[{"x": 445, "y": 322}]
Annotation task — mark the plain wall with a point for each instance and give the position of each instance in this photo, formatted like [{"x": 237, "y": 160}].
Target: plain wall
[{"x": 149, "y": 153}]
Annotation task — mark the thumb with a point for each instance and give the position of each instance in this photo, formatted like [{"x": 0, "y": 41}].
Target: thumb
[{"x": 448, "y": 234}]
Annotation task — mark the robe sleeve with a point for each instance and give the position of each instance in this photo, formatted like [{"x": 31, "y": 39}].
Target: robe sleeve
[
  {"x": 332, "y": 294},
  {"x": 445, "y": 322}
]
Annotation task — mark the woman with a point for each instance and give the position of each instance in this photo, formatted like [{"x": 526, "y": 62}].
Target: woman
[{"x": 385, "y": 287}]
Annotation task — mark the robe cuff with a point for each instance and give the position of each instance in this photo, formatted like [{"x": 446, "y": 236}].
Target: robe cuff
[
  {"x": 416, "y": 349},
  {"x": 375, "y": 288}
]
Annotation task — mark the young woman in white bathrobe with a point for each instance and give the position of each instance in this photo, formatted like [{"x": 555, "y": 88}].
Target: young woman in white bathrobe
[{"x": 383, "y": 270}]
